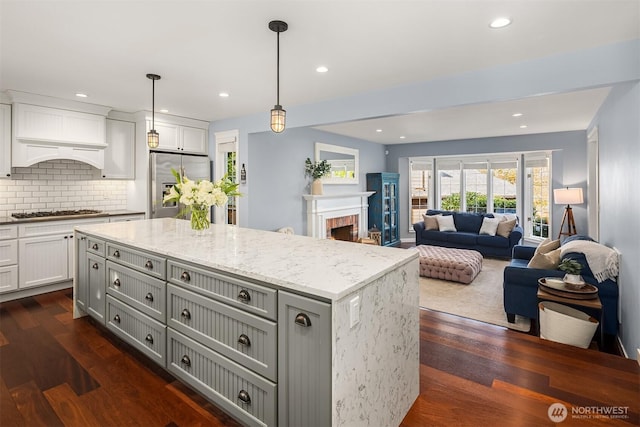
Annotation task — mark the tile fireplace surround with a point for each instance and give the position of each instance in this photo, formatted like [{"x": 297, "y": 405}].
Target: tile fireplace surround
[{"x": 323, "y": 210}]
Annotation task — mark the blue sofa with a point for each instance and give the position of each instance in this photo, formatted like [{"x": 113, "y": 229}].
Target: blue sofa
[
  {"x": 520, "y": 288},
  {"x": 466, "y": 237}
]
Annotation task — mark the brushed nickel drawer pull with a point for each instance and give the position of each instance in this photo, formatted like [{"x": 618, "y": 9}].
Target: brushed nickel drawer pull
[
  {"x": 185, "y": 313},
  {"x": 149, "y": 265},
  {"x": 149, "y": 338},
  {"x": 116, "y": 318},
  {"x": 185, "y": 360},
  {"x": 244, "y": 340},
  {"x": 149, "y": 297},
  {"x": 185, "y": 276},
  {"x": 303, "y": 320},
  {"x": 244, "y": 296},
  {"x": 95, "y": 247},
  {"x": 116, "y": 254},
  {"x": 244, "y": 397},
  {"x": 116, "y": 283},
  {"x": 95, "y": 266}
]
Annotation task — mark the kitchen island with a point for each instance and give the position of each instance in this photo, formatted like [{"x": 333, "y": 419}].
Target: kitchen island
[{"x": 276, "y": 329}]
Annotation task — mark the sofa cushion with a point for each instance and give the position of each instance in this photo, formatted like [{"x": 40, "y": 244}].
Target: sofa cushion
[
  {"x": 461, "y": 238},
  {"x": 548, "y": 261},
  {"x": 446, "y": 223},
  {"x": 489, "y": 226},
  {"x": 505, "y": 227},
  {"x": 493, "y": 241},
  {"x": 468, "y": 222},
  {"x": 438, "y": 236},
  {"x": 430, "y": 222}
]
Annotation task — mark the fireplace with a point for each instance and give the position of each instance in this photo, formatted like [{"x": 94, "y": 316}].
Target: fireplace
[
  {"x": 328, "y": 211},
  {"x": 343, "y": 228}
]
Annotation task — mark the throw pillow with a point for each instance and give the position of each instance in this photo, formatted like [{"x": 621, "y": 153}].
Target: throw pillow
[
  {"x": 548, "y": 261},
  {"x": 445, "y": 223},
  {"x": 505, "y": 227},
  {"x": 547, "y": 245},
  {"x": 431, "y": 222},
  {"x": 489, "y": 226},
  {"x": 505, "y": 217}
]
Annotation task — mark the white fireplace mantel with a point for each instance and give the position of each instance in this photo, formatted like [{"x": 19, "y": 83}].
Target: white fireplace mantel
[{"x": 327, "y": 206}]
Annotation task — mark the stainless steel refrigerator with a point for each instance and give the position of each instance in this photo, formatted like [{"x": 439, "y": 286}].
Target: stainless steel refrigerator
[{"x": 161, "y": 179}]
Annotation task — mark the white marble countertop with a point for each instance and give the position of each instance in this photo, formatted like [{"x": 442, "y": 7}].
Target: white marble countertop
[{"x": 324, "y": 268}]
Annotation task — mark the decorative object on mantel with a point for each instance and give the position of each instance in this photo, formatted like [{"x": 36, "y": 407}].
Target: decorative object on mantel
[
  {"x": 568, "y": 196},
  {"x": 278, "y": 115},
  {"x": 572, "y": 268},
  {"x": 316, "y": 170},
  {"x": 198, "y": 197},
  {"x": 153, "y": 138}
]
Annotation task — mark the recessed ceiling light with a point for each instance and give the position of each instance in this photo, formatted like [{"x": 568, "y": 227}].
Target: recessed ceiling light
[
  {"x": 378, "y": 130},
  {"x": 223, "y": 94},
  {"x": 81, "y": 95},
  {"x": 402, "y": 137},
  {"x": 164, "y": 110},
  {"x": 516, "y": 115},
  {"x": 500, "y": 22},
  {"x": 523, "y": 126},
  {"x": 322, "y": 69}
]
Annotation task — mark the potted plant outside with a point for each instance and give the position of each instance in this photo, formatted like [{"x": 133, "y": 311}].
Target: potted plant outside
[
  {"x": 316, "y": 170},
  {"x": 572, "y": 269}
]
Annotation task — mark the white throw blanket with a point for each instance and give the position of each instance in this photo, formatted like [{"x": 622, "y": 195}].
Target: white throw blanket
[{"x": 602, "y": 260}]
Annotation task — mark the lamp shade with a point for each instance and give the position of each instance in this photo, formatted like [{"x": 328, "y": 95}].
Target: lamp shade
[
  {"x": 153, "y": 139},
  {"x": 278, "y": 119},
  {"x": 568, "y": 196}
]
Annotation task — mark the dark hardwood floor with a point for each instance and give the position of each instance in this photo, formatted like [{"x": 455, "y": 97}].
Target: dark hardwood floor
[{"x": 56, "y": 371}]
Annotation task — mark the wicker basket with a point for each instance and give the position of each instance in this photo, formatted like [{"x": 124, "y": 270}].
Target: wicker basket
[{"x": 566, "y": 325}]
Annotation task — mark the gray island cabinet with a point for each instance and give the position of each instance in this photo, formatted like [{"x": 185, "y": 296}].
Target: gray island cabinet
[{"x": 276, "y": 329}]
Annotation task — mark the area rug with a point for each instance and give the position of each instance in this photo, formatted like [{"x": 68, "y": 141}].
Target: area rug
[{"x": 479, "y": 300}]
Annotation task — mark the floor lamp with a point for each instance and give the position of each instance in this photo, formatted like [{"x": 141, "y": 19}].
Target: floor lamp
[{"x": 568, "y": 196}]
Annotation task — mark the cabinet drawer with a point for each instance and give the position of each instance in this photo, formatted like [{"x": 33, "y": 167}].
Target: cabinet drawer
[
  {"x": 150, "y": 264},
  {"x": 140, "y": 291},
  {"x": 247, "y": 396},
  {"x": 139, "y": 330},
  {"x": 243, "y": 337},
  {"x": 95, "y": 246},
  {"x": 236, "y": 292},
  {"x": 8, "y": 278},
  {"x": 8, "y": 252},
  {"x": 8, "y": 232}
]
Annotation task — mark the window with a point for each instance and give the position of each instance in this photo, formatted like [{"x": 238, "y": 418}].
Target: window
[
  {"x": 448, "y": 178},
  {"x": 475, "y": 187},
  {"x": 420, "y": 188},
  {"x": 504, "y": 180}
]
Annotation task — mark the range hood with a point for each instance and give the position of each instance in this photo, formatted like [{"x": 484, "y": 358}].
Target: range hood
[{"x": 59, "y": 129}]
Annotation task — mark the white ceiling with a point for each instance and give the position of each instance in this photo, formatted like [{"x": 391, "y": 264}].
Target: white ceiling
[{"x": 200, "y": 48}]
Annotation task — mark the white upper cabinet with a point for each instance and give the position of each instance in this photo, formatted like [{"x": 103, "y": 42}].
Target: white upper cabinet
[
  {"x": 119, "y": 156},
  {"x": 5, "y": 141},
  {"x": 184, "y": 139}
]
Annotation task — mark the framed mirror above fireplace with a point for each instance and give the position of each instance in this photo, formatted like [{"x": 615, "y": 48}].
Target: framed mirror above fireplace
[{"x": 343, "y": 161}]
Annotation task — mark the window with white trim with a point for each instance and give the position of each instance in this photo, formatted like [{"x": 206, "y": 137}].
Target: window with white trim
[{"x": 537, "y": 196}]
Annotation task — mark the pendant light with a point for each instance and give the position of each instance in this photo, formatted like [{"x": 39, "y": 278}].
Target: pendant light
[
  {"x": 278, "y": 115},
  {"x": 153, "y": 138}
]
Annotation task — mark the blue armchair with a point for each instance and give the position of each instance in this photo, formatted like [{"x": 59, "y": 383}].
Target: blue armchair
[{"x": 520, "y": 288}]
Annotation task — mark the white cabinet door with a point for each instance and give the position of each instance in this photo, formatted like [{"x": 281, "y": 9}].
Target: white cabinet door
[
  {"x": 194, "y": 140},
  {"x": 119, "y": 158},
  {"x": 169, "y": 136},
  {"x": 43, "y": 260},
  {"x": 5, "y": 141},
  {"x": 8, "y": 278}
]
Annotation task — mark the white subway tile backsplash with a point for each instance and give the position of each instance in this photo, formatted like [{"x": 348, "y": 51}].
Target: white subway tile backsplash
[{"x": 60, "y": 184}]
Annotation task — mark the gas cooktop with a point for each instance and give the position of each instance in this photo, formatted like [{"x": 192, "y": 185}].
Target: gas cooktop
[{"x": 54, "y": 213}]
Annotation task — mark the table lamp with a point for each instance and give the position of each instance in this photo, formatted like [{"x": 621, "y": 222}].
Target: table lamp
[{"x": 568, "y": 196}]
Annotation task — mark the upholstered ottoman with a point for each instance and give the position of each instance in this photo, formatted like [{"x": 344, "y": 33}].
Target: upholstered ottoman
[{"x": 457, "y": 265}]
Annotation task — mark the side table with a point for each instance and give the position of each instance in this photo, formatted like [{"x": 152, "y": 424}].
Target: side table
[{"x": 593, "y": 306}]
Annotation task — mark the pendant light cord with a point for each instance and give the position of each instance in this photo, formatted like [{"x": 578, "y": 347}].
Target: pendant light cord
[
  {"x": 153, "y": 104},
  {"x": 278, "y": 69}
]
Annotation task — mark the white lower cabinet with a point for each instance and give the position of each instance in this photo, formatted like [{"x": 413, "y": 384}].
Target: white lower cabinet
[
  {"x": 43, "y": 260},
  {"x": 8, "y": 258},
  {"x": 261, "y": 354}
]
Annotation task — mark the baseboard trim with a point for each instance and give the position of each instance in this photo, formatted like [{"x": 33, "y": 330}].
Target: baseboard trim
[{"x": 29, "y": 292}]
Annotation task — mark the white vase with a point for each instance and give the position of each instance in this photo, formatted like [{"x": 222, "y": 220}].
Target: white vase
[{"x": 316, "y": 187}]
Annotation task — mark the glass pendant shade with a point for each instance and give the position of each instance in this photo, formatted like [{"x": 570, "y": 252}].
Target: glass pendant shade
[
  {"x": 153, "y": 139},
  {"x": 278, "y": 119}
]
